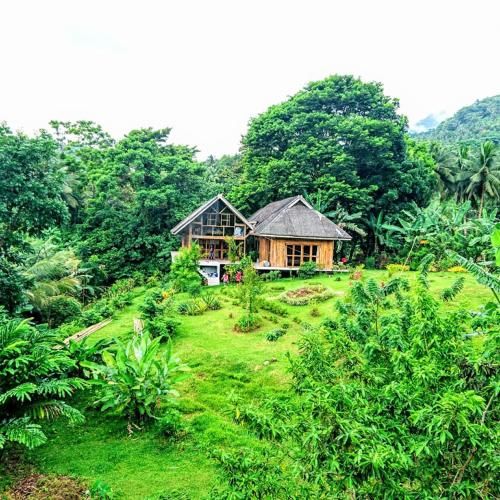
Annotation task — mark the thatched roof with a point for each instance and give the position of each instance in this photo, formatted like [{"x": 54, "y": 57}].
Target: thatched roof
[
  {"x": 191, "y": 217},
  {"x": 295, "y": 218}
]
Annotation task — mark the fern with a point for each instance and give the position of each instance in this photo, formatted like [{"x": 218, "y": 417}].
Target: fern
[
  {"x": 451, "y": 292},
  {"x": 22, "y": 431}
]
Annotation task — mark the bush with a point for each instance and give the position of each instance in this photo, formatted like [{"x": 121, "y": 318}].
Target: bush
[
  {"x": 273, "y": 307},
  {"x": 136, "y": 377},
  {"x": 35, "y": 384},
  {"x": 63, "y": 309},
  {"x": 308, "y": 270},
  {"x": 165, "y": 328},
  {"x": 101, "y": 490},
  {"x": 170, "y": 424},
  {"x": 271, "y": 276},
  {"x": 315, "y": 312},
  {"x": 152, "y": 304},
  {"x": 211, "y": 302},
  {"x": 247, "y": 323},
  {"x": 370, "y": 263},
  {"x": 275, "y": 334},
  {"x": 357, "y": 273},
  {"x": 396, "y": 268},
  {"x": 305, "y": 295},
  {"x": 278, "y": 288},
  {"x": 192, "y": 307}
]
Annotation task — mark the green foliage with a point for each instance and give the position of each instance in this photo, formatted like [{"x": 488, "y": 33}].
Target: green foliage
[
  {"x": 34, "y": 384},
  {"x": 396, "y": 268},
  {"x": 212, "y": 303},
  {"x": 308, "y": 269},
  {"x": 478, "y": 122},
  {"x": 184, "y": 273},
  {"x": 162, "y": 327},
  {"x": 391, "y": 399},
  {"x": 170, "y": 424},
  {"x": 153, "y": 304},
  {"x": 192, "y": 307},
  {"x": 136, "y": 378},
  {"x": 247, "y": 323},
  {"x": 495, "y": 242},
  {"x": 305, "y": 295},
  {"x": 275, "y": 334},
  {"x": 251, "y": 288},
  {"x": 250, "y": 474},
  {"x": 450, "y": 293},
  {"x": 273, "y": 307},
  {"x": 271, "y": 276},
  {"x": 101, "y": 490},
  {"x": 339, "y": 135}
]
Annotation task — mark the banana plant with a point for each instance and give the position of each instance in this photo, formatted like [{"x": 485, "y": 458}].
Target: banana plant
[{"x": 136, "y": 378}]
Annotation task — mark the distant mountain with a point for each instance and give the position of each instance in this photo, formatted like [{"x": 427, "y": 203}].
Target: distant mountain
[
  {"x": 478, "y": 122},
  {"x": 429, "y": 122}
]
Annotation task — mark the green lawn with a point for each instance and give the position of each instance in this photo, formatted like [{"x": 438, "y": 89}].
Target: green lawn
[{"x": 141, "y": 465}]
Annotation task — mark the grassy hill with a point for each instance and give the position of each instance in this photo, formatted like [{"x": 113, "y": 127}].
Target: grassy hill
[
  {"x": 475, "y": 123},
  {"x": 139, "y": 464}
]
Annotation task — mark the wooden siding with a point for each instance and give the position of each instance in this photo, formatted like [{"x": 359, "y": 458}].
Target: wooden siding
[{"x": 274, "y": 251}]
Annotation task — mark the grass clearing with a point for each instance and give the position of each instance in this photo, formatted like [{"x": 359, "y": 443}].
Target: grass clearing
[{"x": 223, "y": 362}]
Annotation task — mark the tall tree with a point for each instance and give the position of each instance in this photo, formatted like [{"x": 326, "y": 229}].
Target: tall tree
[
  {"x": 31, "y": 186},
  {"x": 484, "y": 177},
  {"x": 143, "y": 187},
  {"x": 339, "y": 134}
]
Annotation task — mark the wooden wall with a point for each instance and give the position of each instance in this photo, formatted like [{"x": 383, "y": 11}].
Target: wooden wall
[{"x": 274, "y": 251}]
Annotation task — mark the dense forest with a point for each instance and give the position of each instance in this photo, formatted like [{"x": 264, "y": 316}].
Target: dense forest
[
  {"x": 472, "y": 124},
  {"x": 85, "y": 223}
]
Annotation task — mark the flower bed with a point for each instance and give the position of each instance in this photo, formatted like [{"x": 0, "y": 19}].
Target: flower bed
[{"x": 306, "y": 295}]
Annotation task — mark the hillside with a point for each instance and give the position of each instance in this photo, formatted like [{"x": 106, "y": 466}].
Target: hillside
[
  {"x": 474, "y": 123},
  {"x": 142, "y": 463}
]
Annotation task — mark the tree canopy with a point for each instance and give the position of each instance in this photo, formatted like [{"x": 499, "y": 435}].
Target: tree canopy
[{"x": 340, "y": 135}]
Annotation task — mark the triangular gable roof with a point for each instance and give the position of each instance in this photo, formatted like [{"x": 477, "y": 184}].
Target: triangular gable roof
[
  {"x": 191, "y": 217},
  {"x": 295, "y": 218}
]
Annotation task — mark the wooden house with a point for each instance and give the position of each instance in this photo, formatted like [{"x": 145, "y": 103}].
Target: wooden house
[
  {"x": 290, "y": 232},
  {"x": 285, "y": 233}
]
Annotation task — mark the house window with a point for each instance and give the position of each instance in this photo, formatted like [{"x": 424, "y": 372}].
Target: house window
[
  {"x": 296, "y": 255},
  {"x": 211, "y": 219},
  {"x": 225, "y": 220}
]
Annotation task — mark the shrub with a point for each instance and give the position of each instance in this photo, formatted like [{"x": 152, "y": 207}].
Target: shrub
[
  {"x": 61, "y": 310},
  {"x": 34, "y": 383},
  {"x": 170, "y": 424},
  {"x": 278, "y": 288},
  {"x": 152, "y": 304},
  {"x": 273, "y": 307},
  {"x": 101, "y": 490},
  {"x": 396, "y": 268},
  {"x": 192, "y": 307},
  {"x": 247, "y": 323},
  {"x": 305, "y": 295},
  {"x": 184, "y": 272},
  {"x": 165, "y": 328},
  {"x": 275, "y": 334},
  {"x": 211, "y": 302},
  {"x": 308, "y": 269},
  {"x": 402, "y": 385},
  {"x": 370, "y": 263},
  {"x": 271, "y": 276},
  {"x": 315, "y": 312},
  {"x": 136, "y": 378}
]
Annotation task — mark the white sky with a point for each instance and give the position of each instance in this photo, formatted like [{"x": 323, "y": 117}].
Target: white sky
[{"x": 204, "y": 67}]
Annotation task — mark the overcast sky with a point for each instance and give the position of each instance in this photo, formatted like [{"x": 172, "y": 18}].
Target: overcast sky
[{"x": 205, "y": 67}]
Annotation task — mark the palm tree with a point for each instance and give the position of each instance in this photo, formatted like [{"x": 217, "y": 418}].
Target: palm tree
[{"x": 484, "y": 177}]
